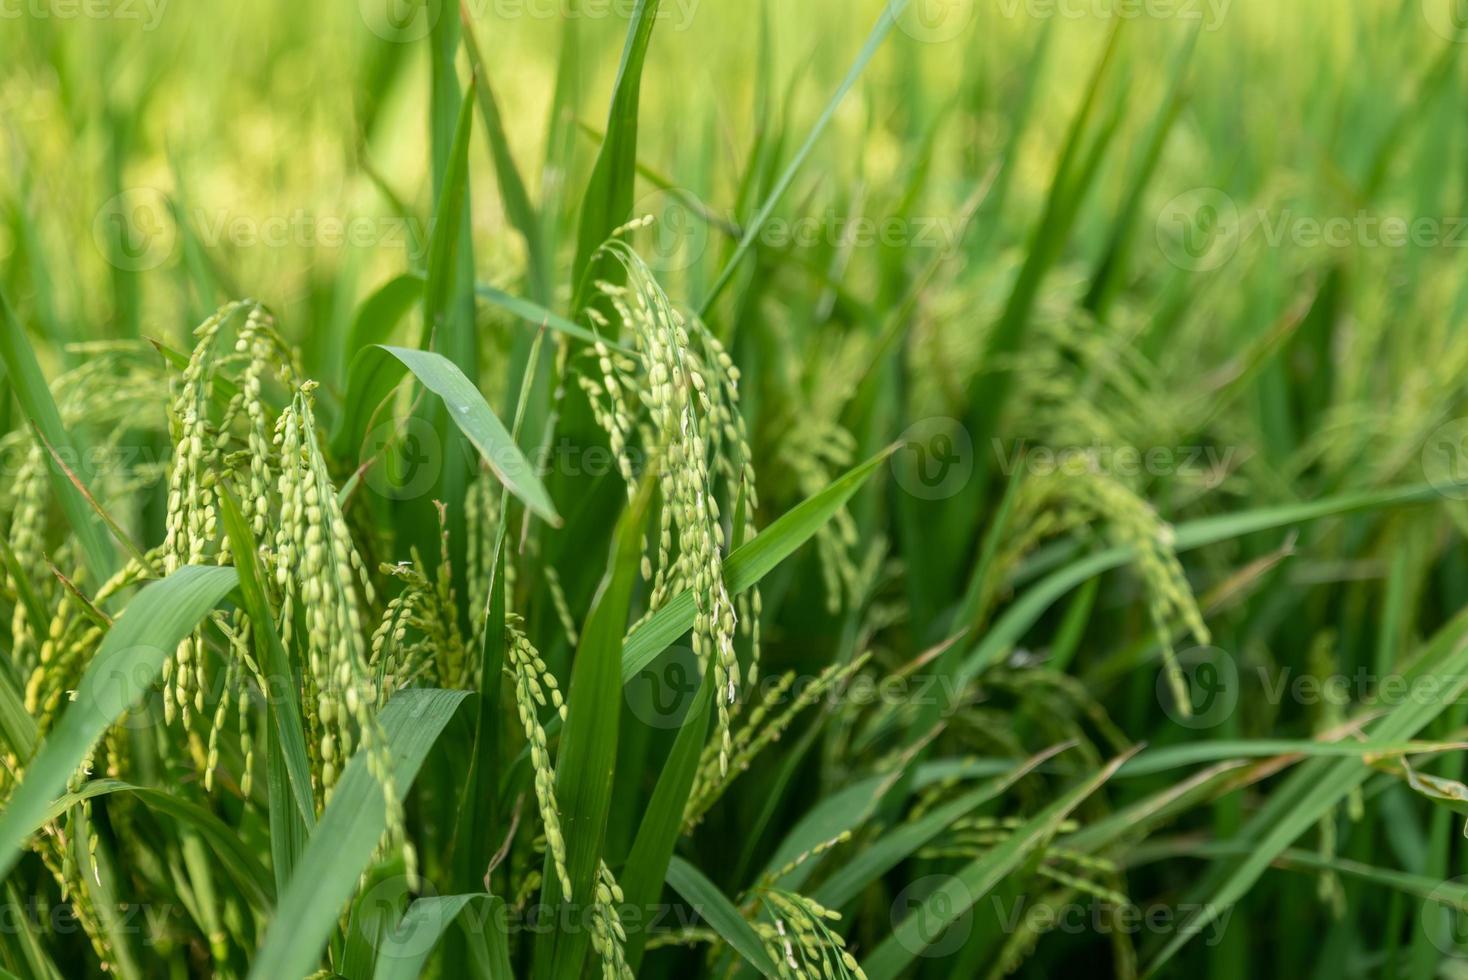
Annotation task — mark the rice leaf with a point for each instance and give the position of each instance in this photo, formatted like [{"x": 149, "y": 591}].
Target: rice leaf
[
  {"x": 350, "y": 829},
  {"x": 959, "y": 893},
  {"x": 720, "y": 914},
  {"x": 120, "y": 674},
  {"x": 406, "y": 949},
  {"x": 587, "y": 757},
  {"x": 607, "y": 202},
  {"x": 753, "y": 229},
  {"x": 474, "y": 418},
  {"x": 284, "y": 707},
  {"x": 662, "y": 821}
]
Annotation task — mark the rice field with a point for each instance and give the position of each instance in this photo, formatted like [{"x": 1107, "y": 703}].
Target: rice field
[{"x": 677, "y": 488}]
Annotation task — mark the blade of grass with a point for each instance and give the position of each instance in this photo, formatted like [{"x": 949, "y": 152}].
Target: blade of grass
[
  {"x": 607, "y": 203},
  {"x": 959, "y": 893},
  {"x": 122, "y": 671},
  {"x": 888, "y": 19},
  {"x": 476, "y": 420},
  {"x": 1321, "y": 784},
  {"x": 662, "y": 822},
  {"x": 407, "y": 948},
  {"x": 899, "y": 843},
  {"x": 587, "y": 755},
  {"x": 720, "y": 914},
  {"x": 518, "y": 208},
  {"x": 235, "y": 854},
  {"x": 350, "y": 829},
  {"x": 1018, "y": 618},
  {"x": 542, "y": 317}
]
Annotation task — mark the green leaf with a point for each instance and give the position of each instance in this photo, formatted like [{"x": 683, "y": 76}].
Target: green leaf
[
  {"x": 476, "y": 819},
  {"x": 350, "y": 829},
  {"x": 16, "y": 724},
  {"x": 662, "y": 822},
  {"x": 237, "y": 858},
  {"x": 542, "y": 317},
  {"x": 720, "y": 914},
  {"x": 587, "y": 757},
  {"x": 406, "y": 949},
  {"x": 607, "y": 202},
  {"x": 471, "y": 413},
  {"x": 1321, "y": 784},
  {"x": 752, "y": 231},
  {"x": 1018, "y": 618},
  {"x": 900, "y": 842},
  {"x": 512, "y": 187},
  {"x": 960, "y": 892},
  {"x": 122, "y": 671},
  {"x": 449, "y": 218},
  {"x": 380, "y": 314},
  {"x": 34, "y": 395}
]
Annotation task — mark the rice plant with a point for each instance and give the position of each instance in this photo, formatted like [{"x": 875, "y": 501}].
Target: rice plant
[{"x": 871, "y": 489}]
